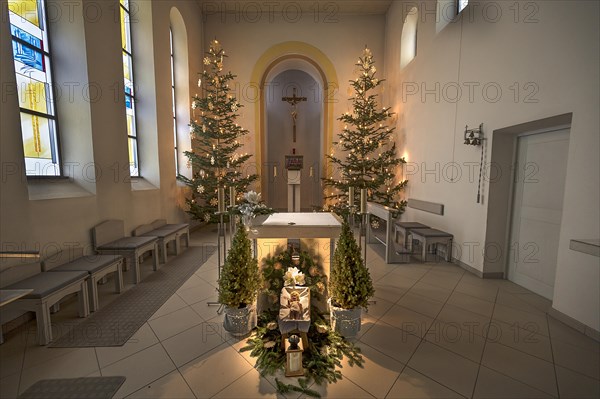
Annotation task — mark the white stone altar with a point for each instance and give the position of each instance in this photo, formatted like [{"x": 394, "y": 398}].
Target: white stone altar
[{"x": 317, "y": 232}]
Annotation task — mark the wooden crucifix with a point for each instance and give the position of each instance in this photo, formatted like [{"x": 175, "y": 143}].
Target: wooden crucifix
[{"x": 293, "y": 100}]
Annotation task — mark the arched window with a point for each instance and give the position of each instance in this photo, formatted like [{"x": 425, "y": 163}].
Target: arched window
[
  {"x": 33, "y": 69},
  {"x": 408, "y": 42},
  {"x": 173, "y": 99},
  {"x": 447, "y": 11},
  {"x": 180, "y": 91},
  {"x": 130, "y": 95}
]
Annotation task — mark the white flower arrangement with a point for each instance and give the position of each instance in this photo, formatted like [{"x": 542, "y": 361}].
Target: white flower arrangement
[
  {"x": 293, "y": 276},
  {"x": 253, "y": 205}
]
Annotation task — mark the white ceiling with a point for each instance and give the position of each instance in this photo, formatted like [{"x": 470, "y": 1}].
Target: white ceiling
[{"x": 325, "y": 7}]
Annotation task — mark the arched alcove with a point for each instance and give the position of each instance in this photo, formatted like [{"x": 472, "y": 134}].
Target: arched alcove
[
  {"x": 309, "y": 59},
  {"x": 279, "y": 140}
]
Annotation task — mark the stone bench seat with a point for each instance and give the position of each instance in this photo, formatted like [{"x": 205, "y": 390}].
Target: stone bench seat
[
  {"x": 97, "y": 266},
  {"x": 128, "y": 243},
  {"x": 48, "y": 290},
  {"x": 109, "y": 239},
  {"x": 406, "y": 228},
  {"x": 429, "y": 237},
  {"x": 166, "y": 233}
]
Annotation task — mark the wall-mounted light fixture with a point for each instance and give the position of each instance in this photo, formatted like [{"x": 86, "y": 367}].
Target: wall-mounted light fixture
[{"x": 474, "y": 136}]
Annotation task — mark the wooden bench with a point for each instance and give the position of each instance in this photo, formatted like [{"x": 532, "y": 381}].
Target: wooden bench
[
  {"x": 109, "y": 239},
  {"x": 47, "y": 289},
  {"x": 166, "y": 233},
  {"x": 97, "y": 266}
]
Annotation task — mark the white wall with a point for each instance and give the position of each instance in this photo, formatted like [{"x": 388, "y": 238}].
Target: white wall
[
  {"x": 93, "y": 132},
  {"x": 545, "y": 61}
]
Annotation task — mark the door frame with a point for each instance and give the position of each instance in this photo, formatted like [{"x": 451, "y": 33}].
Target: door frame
[
  {"x": 515, "y": 162},
  {"x": 500, "y": 194}
]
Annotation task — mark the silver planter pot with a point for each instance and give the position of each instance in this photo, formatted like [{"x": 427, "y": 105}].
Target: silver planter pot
[
  {"x": 345, "y": 321},
  {"x": 239, "y": 322}
]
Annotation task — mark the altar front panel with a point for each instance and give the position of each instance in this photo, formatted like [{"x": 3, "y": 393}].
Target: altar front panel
[{"x": 317, "y": 233}]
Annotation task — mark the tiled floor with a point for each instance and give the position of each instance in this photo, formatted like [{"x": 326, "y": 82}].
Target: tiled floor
[{"x": 435, "y": 331}]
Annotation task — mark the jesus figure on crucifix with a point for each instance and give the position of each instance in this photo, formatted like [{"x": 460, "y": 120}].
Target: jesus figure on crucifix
[{"x": 293, "y": 101}]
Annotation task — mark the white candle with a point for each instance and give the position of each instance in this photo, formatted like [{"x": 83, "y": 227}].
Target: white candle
[
  {"x": 350, "y": 196},
  {"x": 274, "y": 171},
  {"x": 221, "y": 200},
  {"x": 232, "y": 196}
]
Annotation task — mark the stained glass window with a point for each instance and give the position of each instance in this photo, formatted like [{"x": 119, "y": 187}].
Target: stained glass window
[
  {"x": 129, "y": 88},
  {"x": 173, "y": 100},
  {"x": 31, "y": 54}
]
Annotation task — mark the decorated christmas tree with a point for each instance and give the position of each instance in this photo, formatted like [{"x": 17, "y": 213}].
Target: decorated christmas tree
[
  {"x": 240, "y": 278},
  {"x": 216, "y": 158},
  {"x": 350, "y": 284},
  {"x": 366, "y": 146}
]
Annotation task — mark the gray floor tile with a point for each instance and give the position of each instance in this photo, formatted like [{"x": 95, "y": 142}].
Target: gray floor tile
[
  {"x": 407, "y": 320},
  {"x": 523, "y": 367},
  {"x": 421, "y": 304},
  {"x": 575, "y": 385},
  {"x": 445, "y": 367},
  {"x": 576, "y": 358},
  {"x": 414, "y": 385},
  {"x": 392, "y": 341},
  {"x": 451, "y": 337},
  {"x": 494, "y": 385}
]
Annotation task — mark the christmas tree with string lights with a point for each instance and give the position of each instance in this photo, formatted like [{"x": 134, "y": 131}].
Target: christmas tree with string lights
[
  {"x": 216, "y": 158},
  {"x": 367, "y": 151}
]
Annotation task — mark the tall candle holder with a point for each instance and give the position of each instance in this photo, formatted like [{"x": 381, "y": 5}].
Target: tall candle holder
[
  {"x": 351, "y": 207},
  {"x": 221, "y": 239},
  {"x": 363, "y": 221}
]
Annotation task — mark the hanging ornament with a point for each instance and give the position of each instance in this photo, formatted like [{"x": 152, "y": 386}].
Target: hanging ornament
[
  {"x": 211, "y": 106},
  {"x": 200, "y": 189},
  {"x": 214, "y": 202},
  {"x": 206, "y": 217},
  {"x": 199, "y": 82},
  {"x": 203, "y": 128},
  {"x": 212, "y": 160},
  {"x": 206, "y": 61}
]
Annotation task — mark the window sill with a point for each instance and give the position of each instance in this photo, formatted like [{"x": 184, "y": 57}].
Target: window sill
[
  {"x": 141, "y": 184},
  {"x": 54, "y": 188}
]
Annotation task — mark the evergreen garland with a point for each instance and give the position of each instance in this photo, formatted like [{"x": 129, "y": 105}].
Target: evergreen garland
[
  {"x": 350, "y": 282},
  {"x": 369, "y": 159},
  {"x": 326, "y": 347},
  {"x": 215, "y": 158},
  {"x": 240, "y": 278}
]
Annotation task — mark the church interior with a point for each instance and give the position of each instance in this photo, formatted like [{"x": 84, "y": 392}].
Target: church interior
[{"x": 167, "y": 165}]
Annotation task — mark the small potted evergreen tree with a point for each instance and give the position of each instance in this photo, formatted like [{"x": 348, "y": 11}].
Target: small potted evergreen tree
[
  {"x": 350, "y": 285},
  {"x": 238, "y": 286}
]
